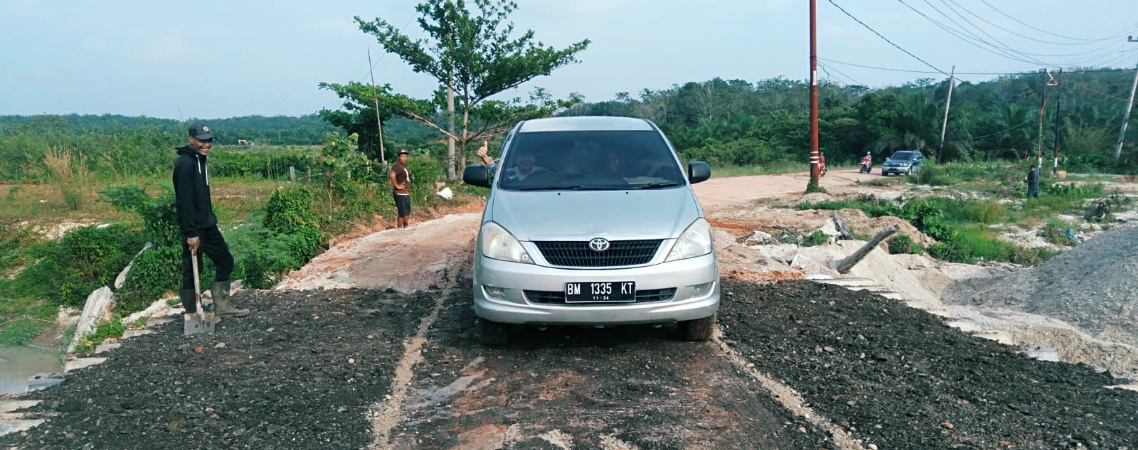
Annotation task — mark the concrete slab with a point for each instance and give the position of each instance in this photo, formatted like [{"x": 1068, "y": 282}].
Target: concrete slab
[
  {"x": 107, "y": 347},
  {"x": 81, "y": 363},
  {"x": 15, "y": 426},
  {"x": 7, "y": 406},
  {"x": 135, "y": 333},
  {"x": 156, "y": 321}
]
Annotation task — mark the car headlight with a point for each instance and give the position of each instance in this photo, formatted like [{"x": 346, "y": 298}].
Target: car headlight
[
  {"x": 695, "y": 241},
  {"x": 497, "y": 243}
]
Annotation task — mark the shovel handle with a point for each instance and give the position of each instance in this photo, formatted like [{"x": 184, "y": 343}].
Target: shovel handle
[{"x": 197, "y": 283}]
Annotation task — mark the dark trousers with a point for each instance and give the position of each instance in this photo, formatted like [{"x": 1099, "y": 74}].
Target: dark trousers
[
  {"x": 212, "y": 245},
  {"x": 1032, "y": 191}
]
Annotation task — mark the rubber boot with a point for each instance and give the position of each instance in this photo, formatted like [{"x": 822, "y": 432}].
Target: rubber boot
[
  {"x": 187, "y": 296},
  {"x": 221, "y": 307}
]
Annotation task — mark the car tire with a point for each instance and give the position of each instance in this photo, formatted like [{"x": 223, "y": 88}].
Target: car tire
[
  {"x": 698, "y": 330},
  {"x": 493, "y": 333}
]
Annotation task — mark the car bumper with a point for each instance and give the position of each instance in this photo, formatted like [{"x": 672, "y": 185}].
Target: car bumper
[
  {"x": 897, "y": 170},
  {"x": 514, "y": 306}
]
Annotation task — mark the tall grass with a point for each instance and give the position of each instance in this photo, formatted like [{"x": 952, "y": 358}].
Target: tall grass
[{"x": 70, "y": 175}]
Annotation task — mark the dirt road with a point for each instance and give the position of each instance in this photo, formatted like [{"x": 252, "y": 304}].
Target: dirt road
[{"x": 374, "y": 345}]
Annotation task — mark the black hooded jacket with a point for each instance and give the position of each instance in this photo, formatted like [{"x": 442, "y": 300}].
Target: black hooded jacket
[{"x": 191, "y": 192}]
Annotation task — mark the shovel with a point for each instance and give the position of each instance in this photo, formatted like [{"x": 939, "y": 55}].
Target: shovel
[{"x": 200, "y": 322}]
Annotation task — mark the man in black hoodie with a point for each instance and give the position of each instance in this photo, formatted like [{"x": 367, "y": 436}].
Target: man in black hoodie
[{"x": 199, "y": 224}]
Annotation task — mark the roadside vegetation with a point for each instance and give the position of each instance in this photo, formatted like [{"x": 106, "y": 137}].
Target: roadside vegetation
[{"x": 966, "y": 227}]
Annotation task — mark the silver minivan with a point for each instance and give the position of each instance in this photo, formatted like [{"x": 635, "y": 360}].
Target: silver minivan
[{"x": 592, "y": 221}]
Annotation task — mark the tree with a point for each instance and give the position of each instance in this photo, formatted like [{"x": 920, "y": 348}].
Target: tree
[
  {"x": 471, "y": 52},
  {"x": 358, "y": 115}
]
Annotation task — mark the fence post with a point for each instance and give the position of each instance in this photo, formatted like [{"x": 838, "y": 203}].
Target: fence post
[
  {"x": 292, "y": 174},
  {"x": 309, "y": 179}
]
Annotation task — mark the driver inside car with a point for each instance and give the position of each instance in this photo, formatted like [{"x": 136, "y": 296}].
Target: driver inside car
[{"x": 524, "y": 164}]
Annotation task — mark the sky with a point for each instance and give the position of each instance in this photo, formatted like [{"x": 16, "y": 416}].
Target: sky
[{"x": 214, "y": 59}]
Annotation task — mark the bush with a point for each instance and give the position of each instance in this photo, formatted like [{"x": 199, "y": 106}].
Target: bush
[
  {"x": 85, "y": 259},
  {"x": 1055, "y": 232},
  {"x": 817, "y": 238},
  {"x": 868, "y": 204},
  {"x": 903, "y": 244},
  {"x": 986, "y": 211}
]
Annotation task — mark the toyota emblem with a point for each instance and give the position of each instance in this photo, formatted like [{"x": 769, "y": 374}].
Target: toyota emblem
[{"x": 599, "y": 244}]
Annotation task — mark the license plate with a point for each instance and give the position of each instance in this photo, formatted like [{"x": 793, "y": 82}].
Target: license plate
[{"x": 600, "y": 292}]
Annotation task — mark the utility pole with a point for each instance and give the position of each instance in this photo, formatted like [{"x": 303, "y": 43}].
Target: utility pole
[
  {"x": 1126, "y": 117},
  {"x": 947, "y": 104},
  {"x": 815, "y": 166},
  {"x": 1058, "y": 114},
  {"x": 378, "y": 122},
  {"x": 1042, "y": 110}
]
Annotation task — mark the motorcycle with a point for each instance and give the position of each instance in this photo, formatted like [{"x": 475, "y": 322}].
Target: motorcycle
[{"x": 866, "y": 164}]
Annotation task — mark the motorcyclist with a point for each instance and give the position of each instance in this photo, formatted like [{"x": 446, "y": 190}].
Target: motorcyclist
[{"x": 867, "y": 160}]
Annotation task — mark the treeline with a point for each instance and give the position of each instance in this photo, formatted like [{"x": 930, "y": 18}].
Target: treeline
[
  {"x": 261, "y": 130},
  {"x": 737, "y": 122}
]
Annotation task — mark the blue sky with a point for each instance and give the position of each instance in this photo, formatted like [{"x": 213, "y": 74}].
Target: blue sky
[{"x": 212, "y": 59}]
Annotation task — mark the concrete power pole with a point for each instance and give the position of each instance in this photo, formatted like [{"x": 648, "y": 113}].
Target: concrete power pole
[
  {"x": 947, "y": 104},
  {"x": 1058, "y": 115},
  {"x": 378, "y": 123},
  {"x": 1126, "y": 117},
  {"x": 815, "y": 166}
]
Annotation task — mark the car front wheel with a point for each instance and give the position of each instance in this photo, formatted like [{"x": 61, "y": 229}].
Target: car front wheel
[{"x": 698, "y": 330}]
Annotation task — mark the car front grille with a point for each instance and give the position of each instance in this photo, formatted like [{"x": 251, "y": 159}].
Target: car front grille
[
  {"x": 642, "y": 296},
  {"x": 578, "y": 253}
]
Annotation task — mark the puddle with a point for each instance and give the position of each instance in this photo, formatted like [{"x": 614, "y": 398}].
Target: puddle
[{"x": 18, "y": 364}]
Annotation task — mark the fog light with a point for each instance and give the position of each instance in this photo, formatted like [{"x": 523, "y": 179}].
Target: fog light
[
  {"x": 701, "y": 289},
  {"x": 494, "y": 292}
]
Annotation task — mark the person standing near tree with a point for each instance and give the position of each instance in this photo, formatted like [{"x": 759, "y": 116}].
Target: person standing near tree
[
  {"x": 401, "y": 185},
  {"x": 198, "y": 224},
  {"x": 1033, "y": 182}
]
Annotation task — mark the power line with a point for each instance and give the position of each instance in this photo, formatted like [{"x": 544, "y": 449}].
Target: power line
[
  {"x": 1029, "y": 121},
  {"x": 1022, "y": 72},
  {"x": 847, "y": 76},
  {"x": 886, "y": 39},
  {"x": 1025, "y": 36},
  {"x": 1041, "y": 30},
  {"x": 1096, "y": 91},
  {"x": 997, "y": 51}
]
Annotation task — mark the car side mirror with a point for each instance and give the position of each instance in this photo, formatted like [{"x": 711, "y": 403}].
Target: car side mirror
[
  {"x": 698, "y": 171},
  {"x": 476, "y": 175}
]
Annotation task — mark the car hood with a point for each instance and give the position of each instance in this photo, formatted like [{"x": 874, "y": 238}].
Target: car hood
[{"x": 583, "y": 215}]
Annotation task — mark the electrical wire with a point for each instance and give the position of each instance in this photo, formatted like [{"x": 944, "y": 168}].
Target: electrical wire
[
  {"x": 1029, "y": 121},
  {"x": 849, "y": 77},
  {"x": 385, "y": 53},
  {"x": 1096, "y": 91},
  {"x": 1044, "y": 31},
  {"x": 997, "y": 51},
  {"x": 886, "y": 39},
  {"x": 1022, "y": 72},
  {"x": 1025, "y": 36}
]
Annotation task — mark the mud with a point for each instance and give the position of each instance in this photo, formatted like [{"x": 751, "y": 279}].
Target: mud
[
  {"x": 300, "y": 372},
  {"x": 900, "y": 378}
]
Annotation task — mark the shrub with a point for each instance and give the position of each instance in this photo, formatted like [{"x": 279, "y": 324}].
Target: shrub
[
  {"x": 83, "y": 260},
  {"x": 817, "y": 238},
  {"x": 1055, "y": 232},
  {"x": 903, "y": 244},
  {"x": 986, "y": 211}
]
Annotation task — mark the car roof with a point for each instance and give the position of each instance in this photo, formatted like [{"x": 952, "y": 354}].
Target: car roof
[{"x": 585, "y": 123}]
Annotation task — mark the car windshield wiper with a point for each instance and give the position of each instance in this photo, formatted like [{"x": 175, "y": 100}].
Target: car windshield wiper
[{"x": 657, "y": 185}]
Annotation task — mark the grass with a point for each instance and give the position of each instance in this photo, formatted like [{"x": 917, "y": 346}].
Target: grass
[
  {"x": 21, "y": 320},
  {"x": 771, "y": 169},
  {"x": 1055, "y": 232},
  {"x": 103, "y": 331}
]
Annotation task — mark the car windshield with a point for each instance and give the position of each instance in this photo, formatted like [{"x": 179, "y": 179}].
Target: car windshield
[
  {"x": 589, "y": 160},
  {"x": 902, "y": 156}
]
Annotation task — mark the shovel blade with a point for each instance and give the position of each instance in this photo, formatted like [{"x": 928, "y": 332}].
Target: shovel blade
[{"x": 198, "y": 323}]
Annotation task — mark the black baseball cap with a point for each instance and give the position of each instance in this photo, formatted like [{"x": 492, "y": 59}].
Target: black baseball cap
[{"x": 200, "y": 131}]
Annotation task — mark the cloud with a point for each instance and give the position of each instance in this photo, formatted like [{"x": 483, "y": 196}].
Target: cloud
[{"x": 172, "y": 47}]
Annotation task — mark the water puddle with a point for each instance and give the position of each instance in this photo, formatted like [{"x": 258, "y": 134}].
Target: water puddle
[{"x": 19, "y": 364}]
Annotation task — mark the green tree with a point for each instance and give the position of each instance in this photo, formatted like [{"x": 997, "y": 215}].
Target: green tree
[
  {"x": 358, "y": 113},
  {"x": 472, "y": 53}
]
